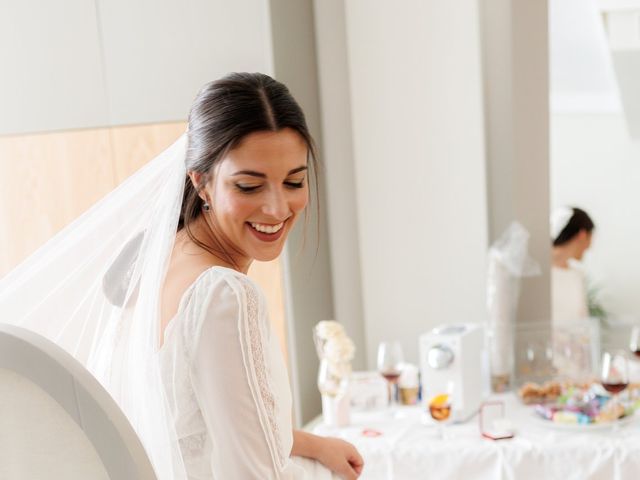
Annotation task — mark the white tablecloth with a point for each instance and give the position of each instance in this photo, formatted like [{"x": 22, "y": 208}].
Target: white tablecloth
[{"x": 409, "y": 448}]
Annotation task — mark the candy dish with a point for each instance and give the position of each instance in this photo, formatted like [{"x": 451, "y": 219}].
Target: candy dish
[
  {"x": 585, "y": 427},
  {"x": 587, "y": 409}
]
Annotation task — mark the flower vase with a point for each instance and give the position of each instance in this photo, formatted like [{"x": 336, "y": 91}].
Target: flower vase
[
  {"x": 336, "y": 410},
  {"x": 333, "y": 383}
]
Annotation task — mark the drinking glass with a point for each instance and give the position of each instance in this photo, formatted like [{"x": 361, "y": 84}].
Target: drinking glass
[
  {"x": 390, "y": 359},
  {"x": 614, "y": 374},
  {"x": 440, "y": 409},
  {"x": 634, "y": 343}
]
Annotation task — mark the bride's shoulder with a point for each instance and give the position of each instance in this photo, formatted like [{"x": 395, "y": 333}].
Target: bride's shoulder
[
  {"x": 224, "y": 295},
  {"x": 218, "y": 273},
  {"x": 218, "y": 281}
]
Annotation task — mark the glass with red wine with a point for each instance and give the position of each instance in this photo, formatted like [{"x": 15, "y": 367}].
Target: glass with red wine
[
  {"x": 390, "y": 359},
  {"x": 634, "y": 344},
  {"x": 614, "y": 375}
]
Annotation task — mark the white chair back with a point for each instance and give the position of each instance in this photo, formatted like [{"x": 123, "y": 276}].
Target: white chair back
[{"x": 56, "y": 420}]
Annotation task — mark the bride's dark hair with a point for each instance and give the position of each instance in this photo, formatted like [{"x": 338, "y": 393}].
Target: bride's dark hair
[
  {"x": 580, "y": 220},
  {"x": 223, "y": 113}
]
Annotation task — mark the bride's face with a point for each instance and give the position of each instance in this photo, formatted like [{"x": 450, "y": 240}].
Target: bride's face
[{"x": 258, "y": 190}]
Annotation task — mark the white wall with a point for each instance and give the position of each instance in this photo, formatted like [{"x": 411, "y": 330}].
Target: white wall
[
  {"x": 596, "y": 166},
  {"x": 418, "y": 147},
  {"x": 81, "y": 64}
]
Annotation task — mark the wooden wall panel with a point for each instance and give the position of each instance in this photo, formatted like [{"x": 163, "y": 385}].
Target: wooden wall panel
[
  {"x": 46, "y": 181},
  {"x": 134, "y": 146},
  {"x": 269, "y": 276}
]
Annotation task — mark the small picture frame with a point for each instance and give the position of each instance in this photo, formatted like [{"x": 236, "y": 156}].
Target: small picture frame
[{"x": 493, "y": 424}]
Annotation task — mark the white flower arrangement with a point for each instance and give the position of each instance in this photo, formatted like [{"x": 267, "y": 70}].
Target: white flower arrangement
[
  {"x": 332, "y": 342},
  {"x": 336, "y": 349}
]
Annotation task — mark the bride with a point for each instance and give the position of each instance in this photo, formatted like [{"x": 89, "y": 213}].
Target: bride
[{"x": 149, "y": 291}]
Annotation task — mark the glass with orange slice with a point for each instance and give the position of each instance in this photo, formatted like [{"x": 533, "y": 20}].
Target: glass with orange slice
[{"x": 440, "y": 410}]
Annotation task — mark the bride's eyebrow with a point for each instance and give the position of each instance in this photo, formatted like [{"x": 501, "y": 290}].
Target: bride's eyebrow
[{"x": 262, "y": 175}]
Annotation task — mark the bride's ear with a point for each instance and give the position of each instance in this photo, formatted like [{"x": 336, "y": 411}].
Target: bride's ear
[{"x": 198, "y": 180}]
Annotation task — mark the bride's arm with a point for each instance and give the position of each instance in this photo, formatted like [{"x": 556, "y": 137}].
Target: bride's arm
[
  {"x": 232, "y": 384},
  {"x": 335, "y": 454}
]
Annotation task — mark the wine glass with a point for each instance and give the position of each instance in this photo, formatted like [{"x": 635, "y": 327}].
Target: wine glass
[
  {"x": 634, "y": 343},
  {"x": 389, "y": 360},
  {"x": 614, "y": 375}
]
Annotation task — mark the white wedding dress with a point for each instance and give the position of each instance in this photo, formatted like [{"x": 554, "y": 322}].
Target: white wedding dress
[
  {"x": 568, "y": 295},
  {"x": 227, "y": 384}
]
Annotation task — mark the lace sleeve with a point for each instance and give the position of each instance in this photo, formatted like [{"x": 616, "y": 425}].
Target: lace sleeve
[
  {"x": 232, "y": 365},
  {"x": 256, "y": 334}
]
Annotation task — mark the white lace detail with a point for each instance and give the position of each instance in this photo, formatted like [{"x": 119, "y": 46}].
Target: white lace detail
[
  {"x": 193, "y": 444},
  {"x": 262, "y": 374}
]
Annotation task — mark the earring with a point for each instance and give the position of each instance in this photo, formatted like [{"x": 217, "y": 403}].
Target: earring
[{"x": 206, "y": 207}]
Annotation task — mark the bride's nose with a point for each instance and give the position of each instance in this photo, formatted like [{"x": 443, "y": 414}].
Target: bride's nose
[{"x": 276, "y": 205}]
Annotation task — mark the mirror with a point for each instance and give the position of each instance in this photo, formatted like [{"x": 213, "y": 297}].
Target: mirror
[{"x": 595, "y": 147}]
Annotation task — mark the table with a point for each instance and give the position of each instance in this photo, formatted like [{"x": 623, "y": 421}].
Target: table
[{"x": 409, "y": 448}]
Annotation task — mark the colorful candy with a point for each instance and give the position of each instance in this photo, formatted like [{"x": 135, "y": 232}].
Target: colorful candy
[{"x": 583, "y": 407}]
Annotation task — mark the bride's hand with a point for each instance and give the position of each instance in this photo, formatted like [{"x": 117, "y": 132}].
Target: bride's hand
[{"x": 340, "y": 457}]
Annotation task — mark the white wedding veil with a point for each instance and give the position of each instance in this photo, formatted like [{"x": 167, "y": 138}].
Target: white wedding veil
[{"x": 94, "y": 289}]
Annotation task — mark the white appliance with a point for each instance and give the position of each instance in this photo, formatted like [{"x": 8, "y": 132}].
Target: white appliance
[{"x": 451, "y": 356}]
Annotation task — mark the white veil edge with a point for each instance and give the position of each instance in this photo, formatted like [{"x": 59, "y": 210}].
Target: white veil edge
[{"x": 94, "y": 289}]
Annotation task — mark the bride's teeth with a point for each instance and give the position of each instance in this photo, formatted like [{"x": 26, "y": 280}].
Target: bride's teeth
[{"x": 267, "y": 228}]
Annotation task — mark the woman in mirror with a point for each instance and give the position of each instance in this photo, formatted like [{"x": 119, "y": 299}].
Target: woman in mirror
[{"x": 571, "y": 229}]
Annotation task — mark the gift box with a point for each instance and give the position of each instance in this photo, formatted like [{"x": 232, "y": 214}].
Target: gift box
[{"x": 368, "y": 391}]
